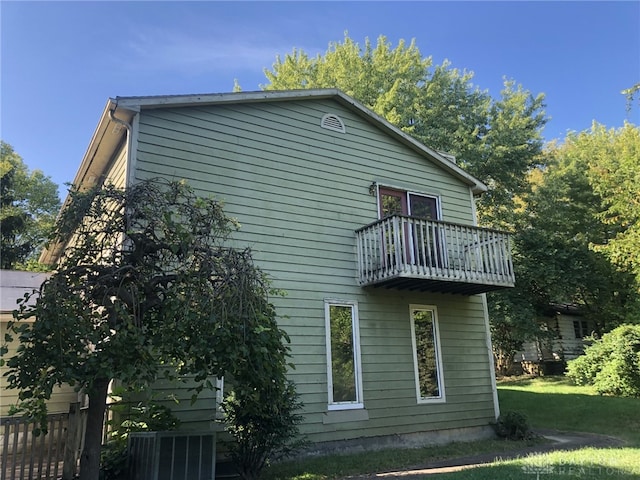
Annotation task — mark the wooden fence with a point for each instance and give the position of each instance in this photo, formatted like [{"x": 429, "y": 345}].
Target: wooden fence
[{"x": 55, "y": 455}]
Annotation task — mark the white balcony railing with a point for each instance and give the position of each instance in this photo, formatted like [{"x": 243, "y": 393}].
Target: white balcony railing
[{"x": 409, "y": 252}]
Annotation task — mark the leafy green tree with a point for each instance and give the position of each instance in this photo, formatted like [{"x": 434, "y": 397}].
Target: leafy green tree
[
  {"x": 513, "y": 321},
  {"x": 509, "y": 150},
  {"x": 559, "y": 228},
  {"x": 497, "y": 140},
  {"x": 146, "y": 288},
  {"x": 28, "y": 205},
  {"x": 384, "y": 79},
  {"x": 577, "y": 208},
  {"x": 614, "y": 174}
]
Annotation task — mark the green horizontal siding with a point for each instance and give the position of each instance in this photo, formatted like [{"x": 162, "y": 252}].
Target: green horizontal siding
[
  {"x": 117, "y": 171},
  {"x": 300, "y": 192}
]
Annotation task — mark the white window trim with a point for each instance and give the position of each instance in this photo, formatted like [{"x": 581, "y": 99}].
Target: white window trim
[
  {"x": 436, "y": 331},
  {"x": 355, "y": 326}
]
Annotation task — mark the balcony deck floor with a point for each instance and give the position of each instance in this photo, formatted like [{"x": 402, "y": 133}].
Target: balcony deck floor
[{"x": 439, "y": 286}]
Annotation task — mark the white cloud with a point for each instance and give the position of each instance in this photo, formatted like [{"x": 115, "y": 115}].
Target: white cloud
[{"x": 154, "y": 49}]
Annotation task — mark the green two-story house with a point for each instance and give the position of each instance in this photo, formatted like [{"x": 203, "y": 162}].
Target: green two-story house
[{"x": 372, "y": 235}]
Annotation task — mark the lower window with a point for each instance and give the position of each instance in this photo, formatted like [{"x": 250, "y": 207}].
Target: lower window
[
  {"x": 427, "y": 358},
  {"x": 344, "y": 374}
]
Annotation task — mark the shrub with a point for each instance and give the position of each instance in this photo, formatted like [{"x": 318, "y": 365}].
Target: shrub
[
  {"x": 611, "y": 364},
  {"x": 513, "y": 426},
  {"x": 264, "y": 424}
]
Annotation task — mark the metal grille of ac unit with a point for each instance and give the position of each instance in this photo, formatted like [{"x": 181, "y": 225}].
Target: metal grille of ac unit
[{"x": 172, "y": 456}]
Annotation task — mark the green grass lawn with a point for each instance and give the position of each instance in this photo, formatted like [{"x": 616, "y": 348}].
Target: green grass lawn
[
  {"x": 587, "y": 463},
  {"x": 341, "y": 466},
  {"x": 548, "y": 402},
  {"x": 554, "y": 402}
]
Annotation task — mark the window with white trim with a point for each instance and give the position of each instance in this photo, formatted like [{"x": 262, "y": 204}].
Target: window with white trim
[
  {"x": 427, "y": 358},
  {"x": 344, "y": 374}
]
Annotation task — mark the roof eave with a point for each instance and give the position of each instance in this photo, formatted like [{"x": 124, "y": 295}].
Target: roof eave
[
  {"x": 161, "y": 101},
  {"x": 105, "y": 140}
]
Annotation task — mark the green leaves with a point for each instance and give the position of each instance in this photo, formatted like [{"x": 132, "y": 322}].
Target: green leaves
[
  {"x": 575, "y": 237},
  {"x": 586, "y": 207},
  {"x": 613, "y": 171},
  {"x": 146, "y": 288},
  {"x": 28, "y": 205},
  {"x": 146, "y": 281},
  {"x": 611, "y": 363}
]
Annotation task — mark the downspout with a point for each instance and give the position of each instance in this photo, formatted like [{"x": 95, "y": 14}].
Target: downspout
[
  {"x": 114, "y": 382},
  {"x": 127, "y": 126}
]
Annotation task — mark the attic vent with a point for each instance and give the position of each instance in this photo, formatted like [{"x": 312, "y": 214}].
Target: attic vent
[{"x": 333, "y": 122}]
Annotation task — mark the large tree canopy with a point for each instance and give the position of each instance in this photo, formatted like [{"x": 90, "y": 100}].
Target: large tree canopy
[
  {"x": 28, "y": 205},
  {"x": 497, "y": 140},
  {"x": 147, "y": 286},
  {"x": 590, "y": 196},
  {"x": 576, "y": 237},
  {"x": 614, "y": 173}
]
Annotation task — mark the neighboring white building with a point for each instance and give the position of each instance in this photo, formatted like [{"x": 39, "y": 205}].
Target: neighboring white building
[{"x": 569, "y": 329}]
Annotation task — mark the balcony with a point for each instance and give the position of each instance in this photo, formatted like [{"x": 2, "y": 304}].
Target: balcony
[{"x": 411, "y": 253}]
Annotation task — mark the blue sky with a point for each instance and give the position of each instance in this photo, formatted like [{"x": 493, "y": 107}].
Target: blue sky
[{"x": 61, "y": 61}]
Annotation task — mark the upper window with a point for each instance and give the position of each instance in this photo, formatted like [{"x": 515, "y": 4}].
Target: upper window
[
  {"x": 427, "y": 358},
  {"x": 344, "y": 375},
  {"x": 580, "y": 328}
]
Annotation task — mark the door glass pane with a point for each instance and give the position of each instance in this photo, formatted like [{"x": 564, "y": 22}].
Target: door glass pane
[
  {"x": 426, "y": 353},
  {"x": 342, "y": 353},
  {"x": 391, "y": 205},
  {"x": 423, "y": 207}
]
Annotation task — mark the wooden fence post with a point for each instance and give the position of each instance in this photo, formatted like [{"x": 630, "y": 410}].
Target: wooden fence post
[{"x": 70, "y": 459}]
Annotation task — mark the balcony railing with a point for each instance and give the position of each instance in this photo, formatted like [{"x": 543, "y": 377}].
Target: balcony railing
[{"x": 418, "y": 254}]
